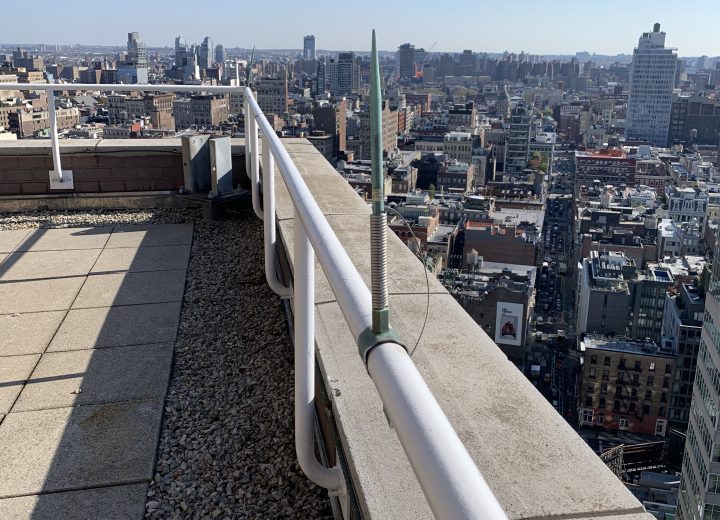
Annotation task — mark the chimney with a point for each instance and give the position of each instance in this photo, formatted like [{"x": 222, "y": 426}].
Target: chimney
[{"x": 656, "y": 28}]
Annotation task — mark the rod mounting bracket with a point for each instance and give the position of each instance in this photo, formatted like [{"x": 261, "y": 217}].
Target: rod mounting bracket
[{"x": 369, "y": 339}]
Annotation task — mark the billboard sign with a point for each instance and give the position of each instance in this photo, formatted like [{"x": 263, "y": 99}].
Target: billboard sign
[{"x": 509, "y": 324}]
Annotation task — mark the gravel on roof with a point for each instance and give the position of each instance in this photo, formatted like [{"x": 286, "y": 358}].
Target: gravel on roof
[
  {"x": 226, "y": 446},
  {"x": 227, "y": 441}
]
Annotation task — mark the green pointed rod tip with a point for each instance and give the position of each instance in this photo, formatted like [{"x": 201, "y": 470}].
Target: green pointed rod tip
[{"x": 376, "y": 162}]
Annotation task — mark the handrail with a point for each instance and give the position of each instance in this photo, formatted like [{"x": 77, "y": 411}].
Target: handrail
[{"x": 448, "y": 476}]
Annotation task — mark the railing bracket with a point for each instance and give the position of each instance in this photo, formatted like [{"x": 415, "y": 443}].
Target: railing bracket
[{"x": 369, "y": 339}]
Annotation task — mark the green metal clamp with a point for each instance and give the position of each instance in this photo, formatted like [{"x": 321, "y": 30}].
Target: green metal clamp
[{"x": 370, "y": 339}]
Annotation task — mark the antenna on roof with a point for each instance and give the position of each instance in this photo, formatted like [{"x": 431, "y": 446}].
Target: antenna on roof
[{"x": 378, "y": 219}]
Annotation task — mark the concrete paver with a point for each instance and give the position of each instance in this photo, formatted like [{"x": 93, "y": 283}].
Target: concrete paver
[
  {"x": 28, "y": 333},
  {"x": 82, "y": 446},
  {"x": 9, "y": 239},
  {"x": 108, "y": 503},
  {"x": 14, "y": 371},
  {"x": 102, "y": 290},
  {"x": 152, "y": 235},
  {"x": 116, "y": 326},
  {"x": 31, "y": 265},
  {"x": 65, "y": 238},
  {"x": 155, "y": 258},
  {"x": 82, "y": 377},
  {"x": 39, "y": 295},
  {"x": 82, "y": 389}
]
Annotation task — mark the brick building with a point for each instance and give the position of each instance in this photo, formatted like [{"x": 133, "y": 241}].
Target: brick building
[{"x": 624, "y": 385}]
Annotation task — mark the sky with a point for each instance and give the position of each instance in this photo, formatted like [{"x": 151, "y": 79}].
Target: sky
[{"x": 537, "y": 27}]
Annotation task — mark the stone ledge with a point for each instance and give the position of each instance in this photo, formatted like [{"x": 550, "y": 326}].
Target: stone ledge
[{"x": 535, "y": 463}]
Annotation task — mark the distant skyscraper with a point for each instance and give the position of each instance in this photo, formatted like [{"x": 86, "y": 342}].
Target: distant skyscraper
[
  {"x": 699, "y": 493},
  {"x": 406, "y": 60},
  {"x": 180, "y": 51},
  {"x": 205, "y": 57},
  {"x": 134, "y": 69},
  {"x": 344, "y": 74},
  {"x": 220, "y": 54},
  {"x": 516, "y": 147},
  {"x": 309, "y": 47},
  {"x": 652, "y": 77}
]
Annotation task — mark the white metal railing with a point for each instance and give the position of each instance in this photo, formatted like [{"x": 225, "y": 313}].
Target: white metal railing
[
  {"x": 63, "y": 180},
  {"x": 449, "y": 478},
  {"x": 447, "y": 474}
]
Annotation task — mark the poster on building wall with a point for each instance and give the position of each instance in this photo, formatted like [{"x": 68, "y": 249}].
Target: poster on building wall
[{"x": 509, "y": 323}]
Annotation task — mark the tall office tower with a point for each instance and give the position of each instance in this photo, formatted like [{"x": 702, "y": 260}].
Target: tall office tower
[
  {"x": 344, "y": 74},
  {"x": 205, "y": 58},
  {"x": 309, "y": 47},
  {"x": 180, "y": 50},
  {"x": 406, "y": 60},
  {"x": 321, "y": 81},
  {"x": 700, "y": 485},
  {"x": 516, "y": 148},
  {"x": 652, "y": 77},
  {"x": 220, "y": 54},
  {"x": 134, "y": 68}
]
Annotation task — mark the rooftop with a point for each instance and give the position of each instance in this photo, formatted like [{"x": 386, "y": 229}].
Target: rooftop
[
  {"x": 642, "y": 348},
  {"x": 469, "y": 376}
]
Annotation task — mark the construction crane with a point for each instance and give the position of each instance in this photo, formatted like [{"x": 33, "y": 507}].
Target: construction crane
[{"x": 419, "y": 66}]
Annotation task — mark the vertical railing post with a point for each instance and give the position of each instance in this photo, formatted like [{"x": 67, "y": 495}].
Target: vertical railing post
[
  {"x": 246, "y": 112},
  {"x": 57, "y": 180},
  {"x": 268, "y": 168},
  {"x": 304, "y": 317},
  {"x": 252, "y": 142}
]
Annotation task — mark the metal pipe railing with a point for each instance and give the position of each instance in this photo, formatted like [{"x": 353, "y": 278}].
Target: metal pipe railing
[{"x": 445, "y": 470}]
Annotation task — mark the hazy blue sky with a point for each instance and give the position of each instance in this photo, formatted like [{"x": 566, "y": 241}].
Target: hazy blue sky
[{"x": 549, "y": 27}]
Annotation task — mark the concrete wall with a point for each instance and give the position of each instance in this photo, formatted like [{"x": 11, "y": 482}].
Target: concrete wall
[{"x": 99, "y": 166}]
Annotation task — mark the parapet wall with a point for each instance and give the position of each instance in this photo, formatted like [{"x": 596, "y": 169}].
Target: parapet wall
[{"x": 98, "y": 165}]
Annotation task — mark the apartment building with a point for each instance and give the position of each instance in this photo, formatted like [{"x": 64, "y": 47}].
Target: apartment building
[{"x": 624, "y": 384}]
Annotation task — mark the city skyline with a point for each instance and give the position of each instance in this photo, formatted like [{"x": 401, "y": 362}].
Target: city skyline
[{"x": 520, "y": 26}]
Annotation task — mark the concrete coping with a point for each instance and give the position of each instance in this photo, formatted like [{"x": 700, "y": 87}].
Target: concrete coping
[{"x": 534, "y": 462}]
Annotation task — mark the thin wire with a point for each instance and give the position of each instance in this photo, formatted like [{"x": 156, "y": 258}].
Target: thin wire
[{"x": 427, "y": 278}]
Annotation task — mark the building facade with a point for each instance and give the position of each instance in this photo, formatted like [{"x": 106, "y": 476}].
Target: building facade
[
  {"x": 652, "y": 78},
  {"x": 699, "y": 494},
  {"x": 624, "y": 385}
]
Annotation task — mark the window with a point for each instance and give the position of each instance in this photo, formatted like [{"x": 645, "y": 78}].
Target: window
[
  {"x": 590, "y": 387},
  {"x": 638, "y": 366},
  {"x": 636, "y": 379},
  {"x": 621, "y": 364},
  {"x": 587, "y": 416},
  {"x": 591, "y": 374},
  {"x": 646, "y": 409},
  {"x": 666, "y": 383},
  {"x": 663, "y": 397},
  {"x": 616, "y": 406},
  {"x": 606, "y": 362},
  {"x": 668, "y": 368},
  {"x": 661, "y": 411},
  {"x": 619, "y": 391},
  {"x": 600, "y": 418},
  {"x": 620, "y": 377},
  {"x": 593, "y": 360},
  {"x": 652, "y": 367},
  {"x": 601, "y": 402},
  {"x": 650, "y": 380},
  {"x": 603, "y": 388},
  {"x": 623, "y": 424},
  {"x": 714, "y": 483},
  {"x": 588, "y": 400},
  {"x": 606, "y": 374},
  {"x": 648, "y": 395},
  {"x": 631, "y": 408}
]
